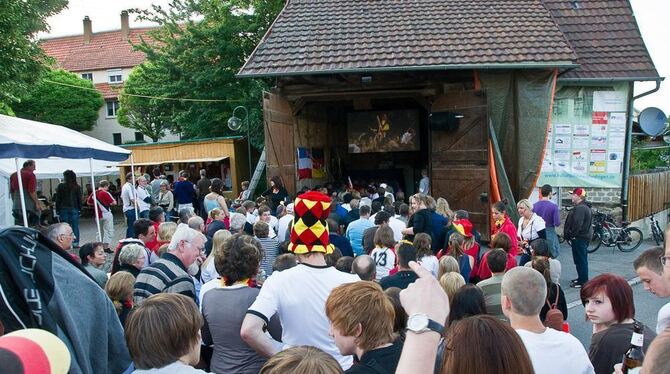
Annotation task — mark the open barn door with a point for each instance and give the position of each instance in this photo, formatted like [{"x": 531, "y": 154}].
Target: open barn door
[
  {"x": 279, "y": 147},
  {"x": 459, "y": 160}
]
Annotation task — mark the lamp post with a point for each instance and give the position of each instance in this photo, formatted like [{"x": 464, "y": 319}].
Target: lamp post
[{"x": 234, "y": 123}]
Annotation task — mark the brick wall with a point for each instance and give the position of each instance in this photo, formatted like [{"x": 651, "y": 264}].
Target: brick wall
[{"x": 603, "y": 199}]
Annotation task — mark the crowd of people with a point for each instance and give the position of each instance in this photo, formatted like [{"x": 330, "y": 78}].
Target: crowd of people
[{"x": 356, "y": 280}]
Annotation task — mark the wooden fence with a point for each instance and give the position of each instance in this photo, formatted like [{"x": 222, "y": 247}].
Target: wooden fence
[{"x": 647, "y": 194}]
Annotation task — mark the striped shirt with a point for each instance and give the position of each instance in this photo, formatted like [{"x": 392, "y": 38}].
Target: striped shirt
[
  {"x": 270, "y": 247},
  {"x": 168, "y": 275}
]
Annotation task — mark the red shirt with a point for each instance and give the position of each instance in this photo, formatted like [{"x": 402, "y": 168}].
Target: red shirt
[
  {"x": 508, "y": 228},
  {"x": 103, "y": 197},
  {"x": 485, "y": 272},
  {"x": 27, "y": 178},
  {"x": 154, "y": 244}
]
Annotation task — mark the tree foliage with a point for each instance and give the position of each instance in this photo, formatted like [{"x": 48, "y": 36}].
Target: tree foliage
[
  {"x": 196, "y": 54},
  {"x": 21, "y": 58},
  {"x": 63, "y": 105}
]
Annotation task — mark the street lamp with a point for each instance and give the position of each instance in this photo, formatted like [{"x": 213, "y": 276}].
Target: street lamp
[{"x": 235, "y": 123}]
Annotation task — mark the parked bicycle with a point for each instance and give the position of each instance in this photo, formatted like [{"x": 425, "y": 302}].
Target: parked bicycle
[
  {"x": 656, "y": 231},
  {"x": 606, "y": 232}
]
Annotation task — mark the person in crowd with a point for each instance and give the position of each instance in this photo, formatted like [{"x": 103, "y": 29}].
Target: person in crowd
[
  {"x": 184, "y": 191},
  {"x": 143, "y": 197},
  {"x": 394, "y": 223},
  {"x": 264, "y": 214},
  {"x": 438, "y": 227},
  {"x": 555, "y": 295},
  {"x": 165, "y": 199},
  {"x": 33, "y": 204},
  {"x": 365, "y": 267},
  {"x": 156, "y": 216},
  {"x": 405, "y": 276},
  {"x": 68, "y": 203},
  {"x": 384, "y": 253},
  {"x": 447, "y": 264},
  {"x": 530, "y": 228},
  {"x": 540, "y": 248},
  {"x": 381, "y": 219},
  {"x": 548, "y": 210},
  {"x": 504, "y": 242},
  {"x": 284, "y": 261},
  {"x": 169, "y": 274},
  {"x": 524, "y": 292},
  {"x": 164, "y": 235},
  {"x": 119, "y": 288},
  {"x": 424, "y": 253},
  {"x": 464, "y": 226},
  {"x": 442, "y": 208},
  {"x": 155, "y": 184},
  {"x": 61, "y": 234},
  {"x": 356, "y": 229},
  {"x": 608, "y": 302},
  {"x": 208, "y": 272},
  {"x": 361, "y": 323},
  {"x": 284, "y": 222},
  {"x": 336, "y": 239},
  {"x": 439, "y": 236},
  {"x": 92, "y": 257},
  {"x": 346, "y": 201},
  {"x": 105, "y": 202},
  {"x": 471, "y": 246},
  {"x": 468, "y": 301},
  {"x": 244, "y": 193},
  {"x": 400, "y": 320},
  {"x": 421, "y": 218},
  {"x": 144, "y": 233},
  {"x": 276, "y": 193},
  {"x": 354, "y": 214},
  {"x": 270, "y": 246},
  {"x": 503, "y": 224},
  {"x": 345, "y": 264},
  {"x": 224, "y": 308},
  {"x": 196, "y": 223},
  {"x": 185, "y": 214},
  {"x": 202, "y": 187},
  {"x": 424, "y": 183},
  {"x": 237, "y": 223},
  {"x": 577, "y": 229},
  {"x": 129, "y": 200},
  {"x": 163, "y": 335},
  {"x": 216, "y": 220},
  {"x": 311, "y": 281},
  {"x": 466, "y": 263},
  {"x": 132, "y": 258},
  {"x": 302, "y": 360},
  {"x": 650, "y": 270},
  {"x": 215, "y": 200},
  {"x": 496, "y": 261},
  {"x": 403, "y": 213},
  {"x": 451, "y": 282}
]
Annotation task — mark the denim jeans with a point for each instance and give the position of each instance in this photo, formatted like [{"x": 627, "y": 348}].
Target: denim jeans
[
  {"x": 552, "y": 240},
  {"x": 71, "y": 216},
  {"x": 580, "y": 257},
  {"x": 130, "y": 218}
]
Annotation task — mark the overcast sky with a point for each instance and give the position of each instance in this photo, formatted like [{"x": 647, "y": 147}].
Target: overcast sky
[{"x": 651, "y": 15}]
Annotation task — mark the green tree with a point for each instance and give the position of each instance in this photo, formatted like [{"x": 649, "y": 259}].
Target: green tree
[
  {"x": 199, "y": 59},
  {"x": 151, "y": 117},
  {"x": 21, "y": 58},
  {"x": 62, "y": 98}
]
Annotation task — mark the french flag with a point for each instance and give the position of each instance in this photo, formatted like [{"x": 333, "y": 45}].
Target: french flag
[{"x": 304, "y": 163}]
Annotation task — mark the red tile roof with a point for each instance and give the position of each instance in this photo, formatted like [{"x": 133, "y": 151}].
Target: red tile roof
[
  {"x": 109, "y": 91},
  {"x": 321, "y": 36},
  {"x": 606, "y": 38},
  {"x": 107, "y": 50}
]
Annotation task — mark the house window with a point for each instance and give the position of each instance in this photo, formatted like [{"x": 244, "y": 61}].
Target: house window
[
  {"x": 139, "y": 137},
  {"x": 88, "y": 76},
  {"x": 112, "y": 108},
  {"x": 114, "y": 76},
  {"x": 117, "y": 138}
]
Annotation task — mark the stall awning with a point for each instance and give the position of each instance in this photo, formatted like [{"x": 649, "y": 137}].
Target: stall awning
[{"x": 178, "y": 161}]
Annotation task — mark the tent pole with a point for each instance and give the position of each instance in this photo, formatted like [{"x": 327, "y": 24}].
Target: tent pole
[
  {"x": 19, "y": 178},
  {"x": 95, "y": 201},
  {"x": 132, "y": 172}
]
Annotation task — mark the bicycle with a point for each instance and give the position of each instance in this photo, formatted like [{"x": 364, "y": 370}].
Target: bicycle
[
  {"x": 656, "y": 231},
  {"x": 607, "y": 233}
]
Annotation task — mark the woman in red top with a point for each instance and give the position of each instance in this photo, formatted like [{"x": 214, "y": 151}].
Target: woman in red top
[
  {"x": 504, "y": 242},
  {"x": 504, "y": 224}
]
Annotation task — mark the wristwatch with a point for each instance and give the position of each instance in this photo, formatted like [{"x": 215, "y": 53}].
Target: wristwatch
[{"x": 419, "y": 323}]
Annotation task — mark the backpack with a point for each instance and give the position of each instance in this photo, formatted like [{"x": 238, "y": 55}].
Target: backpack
[{"x": 554, "y": 317}]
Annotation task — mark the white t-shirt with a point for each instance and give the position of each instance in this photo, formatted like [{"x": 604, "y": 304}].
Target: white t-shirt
[
  {"x": 176, "y": 367},
  {"x": 385, "y": 259},
  {"x": 530, "y": 231},
  {"x": 209, "y": 272},
  {"x": 127, "y": 196},
  {"x": 211, "y": 285},
  {"x": 282, "y": 226},
  {"x": 663, "y": 320},
  {"x": 430, "y": 263},
  {"x": 298, "y": 296},
  {"x": 142, "y": 194},
  {"x": 556, "y": 351},
  {"x": 397, "y": 225}
]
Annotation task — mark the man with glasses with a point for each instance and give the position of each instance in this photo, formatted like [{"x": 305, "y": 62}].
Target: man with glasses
[
  {"x": 61, "y": 234},
  {"x": 649, "y": 267},
  {"x": 170, "y": 273}
]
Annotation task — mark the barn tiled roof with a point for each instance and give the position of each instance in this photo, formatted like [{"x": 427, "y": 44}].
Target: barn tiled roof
[
  {"x": 320, "y": 36},
  {"x": 605, "y": 36},
  {"x": 109, "y": 91},
  {"x": 107, "y": 50}
]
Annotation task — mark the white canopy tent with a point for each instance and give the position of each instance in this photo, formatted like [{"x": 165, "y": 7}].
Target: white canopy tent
[{"x": 25, "y": 139}]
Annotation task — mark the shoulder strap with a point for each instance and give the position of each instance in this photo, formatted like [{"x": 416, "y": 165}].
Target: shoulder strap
[
  {"x": 557, "y": 294},
  {"x": 555, "y": 304}
]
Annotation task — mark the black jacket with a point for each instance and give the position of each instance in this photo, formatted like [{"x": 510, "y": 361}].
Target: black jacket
[{"x": 578, "y": 222}]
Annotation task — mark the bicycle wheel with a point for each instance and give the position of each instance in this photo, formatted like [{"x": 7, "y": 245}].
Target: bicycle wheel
[
  {"x": 595, "y": 242},
  {"x": 631, "y": 239}
]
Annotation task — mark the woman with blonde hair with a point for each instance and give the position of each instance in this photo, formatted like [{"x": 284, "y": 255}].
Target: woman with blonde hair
[
  {"x": 208, "y": 269},
  {"x": 442, "y": 208},
  {"x": 447, "y": 264},
  {"x": 164, "y": 235},
  {"x": 456, "y": 249},
  {"x": 531, "y": 227},
  {"x": 451, "y": 282},
  {"x": 215, "y": 200},
  {"x": 424, "y": 253},
  {"x": 420, "y": 219},
  {"x": 301, "y": 360},
  {"x": 119, "y": 288}
]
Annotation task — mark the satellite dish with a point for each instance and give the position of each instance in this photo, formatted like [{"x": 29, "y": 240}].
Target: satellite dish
[
  {"x": 652, "y": 121},
  {"x": 234, "y": 123}
]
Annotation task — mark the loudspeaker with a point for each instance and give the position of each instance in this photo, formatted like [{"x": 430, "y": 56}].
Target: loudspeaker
[{"x": 444, "y": 121}]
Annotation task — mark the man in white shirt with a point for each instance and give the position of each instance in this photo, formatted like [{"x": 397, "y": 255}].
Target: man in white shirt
[
  {"x": 298, "y": 295},
  {"x": 128, "y": 197},
  {"x": 650, "y": 270},
  {"x": 424, "y": 183},
  {"x": 523, "y": 293},
  {"x": 282, "y": 225}
]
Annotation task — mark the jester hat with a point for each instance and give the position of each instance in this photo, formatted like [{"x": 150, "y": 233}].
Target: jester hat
[
  {"x": 464, "y": 227},
  {"x": 310, "y": 228}
]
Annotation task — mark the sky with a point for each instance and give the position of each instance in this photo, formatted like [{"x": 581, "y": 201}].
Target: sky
[{"x": 651, "y": 15}]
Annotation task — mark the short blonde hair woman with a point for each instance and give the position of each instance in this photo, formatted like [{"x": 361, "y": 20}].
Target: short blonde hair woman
[{"x": 451, "y": 282}]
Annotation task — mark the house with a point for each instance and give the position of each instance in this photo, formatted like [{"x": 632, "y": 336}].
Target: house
[
  {"x": 106, "y": 58},
  {"x": 479, "y": 86}
]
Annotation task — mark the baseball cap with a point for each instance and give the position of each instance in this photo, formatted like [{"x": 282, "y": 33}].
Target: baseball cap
[{"x": 579, "y": 192}]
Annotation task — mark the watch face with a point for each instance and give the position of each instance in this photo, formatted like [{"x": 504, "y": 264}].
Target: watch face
[{"x": 417, "y": 322}]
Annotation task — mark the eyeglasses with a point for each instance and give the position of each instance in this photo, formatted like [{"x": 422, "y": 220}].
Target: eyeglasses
[{"x": 664, "y": 260}]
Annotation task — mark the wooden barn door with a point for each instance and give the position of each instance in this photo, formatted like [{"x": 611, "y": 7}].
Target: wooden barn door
[
  {"x": 279, "y": 149},
  {"x": 459, "y": 158}
]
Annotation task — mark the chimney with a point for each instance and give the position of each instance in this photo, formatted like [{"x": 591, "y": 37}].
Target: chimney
[
  {"x": 88, "y": 30},
  {"x": 125, "y": 27}
]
